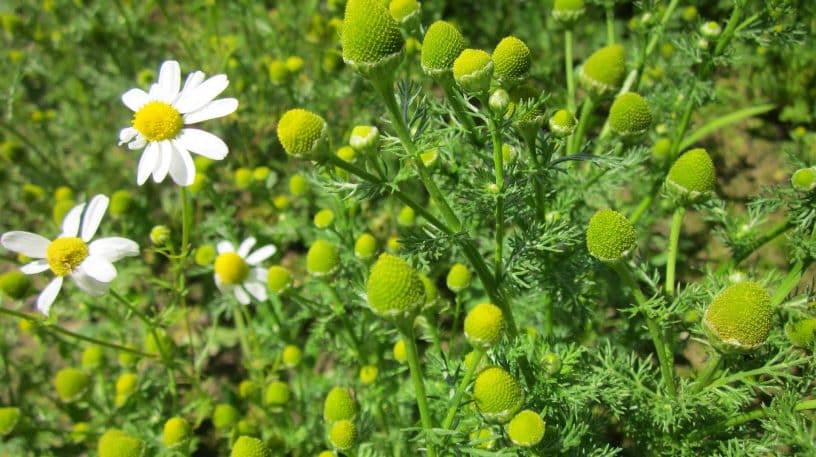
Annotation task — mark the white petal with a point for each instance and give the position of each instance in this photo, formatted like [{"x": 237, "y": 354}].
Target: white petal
[
  {"x": 224, "y": 246},
  {"x": 203, "y": 143},
  {"x": 242, "y": 296},
  {"x": 135, "y": 99},
  {"x": 154, "y": 93},
  {"x": 169, "y": 80},
  {"x": 262, "y": 254},
  {"x": 98, "y": 268},
  {"x": 37, "y": 266},
  {"x": 212, "y": 110},
  {"x": 261, "y": 274},
  {"x": 199, "y": 96},
  {"x": 88, "y": 284},
  {"x": 246, "y": 246},
  {"x": 194, "y": 80},
  {"x": 224, "y": 288},
  {"x": 138, "y": 143},
  {"x": 113, "y": 248},
  {"x": 70, "y": 224},
  {"x": 256, "y": 289},
  {"x": 48, "y": 295},
  {"x": 26, "y": 243},
  {"x": 93, "y": 216},
  {"x": 163, "y": 164},
  {"x": 182, "y": 168},
  {"x": 127, "y": 134},
  {"x": 148, "y": 163}
]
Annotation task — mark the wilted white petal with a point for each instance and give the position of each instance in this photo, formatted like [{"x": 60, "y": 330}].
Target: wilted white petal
[{"x": 127, "y": 134}]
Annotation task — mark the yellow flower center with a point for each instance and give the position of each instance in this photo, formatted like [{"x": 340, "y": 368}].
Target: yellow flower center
[
  {"x": 158, "y": 121},
  {"x": 231, "y": 268},
  {"x": 65, "y": 254}
]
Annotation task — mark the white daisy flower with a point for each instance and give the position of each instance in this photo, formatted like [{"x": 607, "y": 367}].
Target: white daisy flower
[
  {"x": 89, "y": 264},
  {"x": 239, "y": 271},
  {"x": 160, "y": 117}
]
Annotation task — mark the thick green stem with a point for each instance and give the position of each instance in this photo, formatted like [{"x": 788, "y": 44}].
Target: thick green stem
[
  {"x": 570, "y": 76},
  {"x": 654, "y": 38},
  {"x": 610, "y": 23},
  {"x": 711, "y": 367},
  {"x": 498, "y": 167},
  {"x": 769, "y": 235},
  {"x": 674, "y": 239},
  {"x": 242, "y": 334},
  {"x": 744, "y": 418},
  {"x": 470, "y": 370},
  {"x": 548, "y": 317},
  {"x": 419, "y": 384},
  {"x": 181, "y": 278},
  {"x": 586, "y": 112}
]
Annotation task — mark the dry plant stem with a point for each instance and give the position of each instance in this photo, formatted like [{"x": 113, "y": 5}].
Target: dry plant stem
[
  {"x": 654, "y": 330},
  {"x": 453, "y": 97},
  {"x": 674, "y": 239},
  {"x": 407, "y": 331},
  {"x": 470, "y": 370},
  {"x": 711, "y": 367}
]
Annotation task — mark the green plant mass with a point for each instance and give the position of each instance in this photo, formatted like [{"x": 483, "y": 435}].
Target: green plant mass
[{"x": 402, "y": 228}]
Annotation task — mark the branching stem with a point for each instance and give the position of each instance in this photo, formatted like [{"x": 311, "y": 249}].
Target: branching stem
[
  {"x": 674, "y": 238},
  {"x": 407, "y": 332},
  {"x": 470, "y": 370}
]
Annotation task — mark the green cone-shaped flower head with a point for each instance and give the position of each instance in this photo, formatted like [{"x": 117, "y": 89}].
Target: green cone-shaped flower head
[
  {"x": 224, "y": 416},
  {"x": 9, "y": 416},
  {"x": 512, "y": 60},
  {"x": 568, "y": 12},
  {"x": 473, "y": 70},
  {"x": 116, "y": 443},
  {"x": 693, "y": 175},
  {"x": 71, "y": 383},
  {"x": 278, "y": 278},
  {"x": 247, "y": 446},
  {"x": 339, "y": 405},
  {"x": 739, "y": 318},
  {"x": 804, "y": 179},
  {"x": 630, "y": 115},
  {"x": 302, "y": 133},
  {"x": 322, "y": 258},
  {"x": 176, "y": 432},
  {"x": 483, "y": 325},
  {"x": 394, "y": 288},
  {"x": 563, "y": 123},
  {"x": 277, "y": 394},
  {"x": 610, "y": 236},
  {"x": 526, "y": 429},
  {"x": 458, "y": 277},
  {"x": 801, "y": 333},
  {"x": 604, "y": 71},
  {"x": 343, "y": 434},
  {"x": 498, "y": 395},
  {"x": 365, "y": 246},
  {"x": 371, "y": 39},
  {"x": 404, "y": 11},
  {"x": 442, "y": 45}
]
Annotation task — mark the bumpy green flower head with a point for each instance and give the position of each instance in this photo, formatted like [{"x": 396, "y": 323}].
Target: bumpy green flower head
[
  {"x": 801, "y": 333},
  {"x": 277, "y": 394},
  {"x": 364, "y": 137},
  {"x": 176, "y": 432},
  {"x": 458, "y": 278},
  {"x": 739, "y": 318},
  {"x": 126, "y": 384},
  {"x": 526, "y": 429},
  {"x": 630, "y": 115},
  {"x": 693, "y": 175},
  {"x": 368, "y": 374},
  {"x": 323, "y": 218},
  {"x": 302, "y": 133},
  {"x": 9, "y": 416},
  {"x": 512, "y": 60},
  {"x": 400, "y": 352},
  {"x": 278, "y": 278},
  {"x": 371, "y": 39},
  {"x": 15, "y": 284},
  {"x": 394, "y": 288},
  {"x": 116, "y": 443},
  {"x": 322, "y": 258},
  {"x": 484, "y": 325},
  {"x": 431, "y": 293},
  {"x": 247, "y": 446},
  {"x": 292, "y": 355},
  {"x": 473, "y": 70},
  {"x": 404, "y": 11},
  {"x": 604, "y": 71},
  {"x": 365, "y": 246},
  {"x": 568, "y": 11},
  {"x": 224, "y": 416},
  {"x": 339, "y": 405},
  {"x": 442, "y": 45},
  {"x": 804, "y": 179},
  {"x": 610, "y": 236},
  {"x": 343, "y": 434},
  {"x": 563, "y": 123},
  {"x": 498, "y": 395},
  {"x": 327, "y": 454},
  {"x": 71, "y": 383}
]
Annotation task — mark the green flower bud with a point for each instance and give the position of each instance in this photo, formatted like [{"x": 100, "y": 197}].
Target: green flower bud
[
  {"x": 394, "y": 288},
  {"x": 32, "y": 192},
  {"x": 158, "y": 343},
  {"x": 404, "y": 11},
  {"x": 347, "y": 153},
  {"x": 278, "y": 72},
  {"x": 247, "y": 389},
  {"x": 568, "y": 12},
  {"x": 484, "y": 325},
  {"x": 604, "y": 71},
  {"x": 224, "y": 416},
  {"x": 431, "y": 294},
  {"x": 126, "y": 359},
  {"x": 474, "y": 360},
  {"x": 739, "y": 318},
  {"x": 406, "y": 217},
  {"x": 324, "y": 218},
  {"x": 327, "y": 454},
  {"x": 473, "y": 70},
  {"x": 497, "y": 394},
  {"x": 610, "y": 236},
  {"x": 292, "y": 355},
  {"x": 661, "y": 150},
  {"x": 298, "y": 185},
  {"x": 801, "y": 333},
  {"x": 690, "y": 14},
  {"x": 322, "y": 258},
  {"x": 693, "y": 175},
  {"x": 15, "y": 285},
  {"x": 93, "y": 357},
  {"x": 552, "y": 363},
  {"x": 372, "y": 41},
  {"x": 120, "y": 203},
  {"x": 159, "y": 235},
  {"x": 526, "y": 429},
  {"x": 9, "y": 416},
  {"x": 804, "y": 179},
  {"x": 530, "y": 119},
  {"x": 364, "y": 137},
  {"x": 710, "y": 29},
  {"x": 563, "y": 123},
  {"x": 458, "y": 278},
  {"x": 430, "y": 157},
  {"x": 302, "y": 133},
  {"x": 71, "y": 384},
  {"x": 368, "y": 374},
  {"x": 483, "y": 438},
  {"x": 126, "y": 384},
  {"x": 205, "y": 255},
  {"x": 343, "y": 435},
  {"x": 399, "y": 351},
  {"x": 176, "y": 432},
  {"x": 247, "y": 427},
  {"x": 630, "y": 115},
  {"x": 116, "y": 443},
  {"x": 443, "y": 43},
  {"x": 339, "y": 405},
  {"x": 499, "y": 101},
  {"x": 60, "y": 209},
  {"x": 63, "y": 193},
  {"x": 243, "y": 178},
  {"x": 278, "y": 278},
  {"x": 512, "y": 60},
  {"x": 365, "y": 246},
  {"x": 247, "y": 446},
  {"x": 294, "y": 64},
  {"x": 79, "y": 432},
  {"x": 277, "y": 394}
]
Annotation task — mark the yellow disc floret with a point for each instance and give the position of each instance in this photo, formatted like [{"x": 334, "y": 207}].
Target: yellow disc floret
[
  {"x": 739, "y": 318},
  {"x": 157, "y": 121},
  {"x": 441, "y": 46},
  {"x": 526, "y": 429},
  {"x": 498, "y": 395},
  {"x": 231, "y": 268},
  {"x": 512, "y": 59},
  {"x": 371, "y": 39},
  {"x": 484, "y": 325},
  {"x": 65, "y": 254},
  {"x": 610, "y": 235},
  {"x": 604, "y": 71},
  {"x": 343, "y": 434},
  {"x": 630, "y": 115},
  {"x": 301, "y": 133},
  {"x": 339, "y": 405},
  {"x": 394, "y": 288},
  {"x": 247, "y": 446},
  {"x": 693, "y": 175},
  {"x": 116, "y": 443}
]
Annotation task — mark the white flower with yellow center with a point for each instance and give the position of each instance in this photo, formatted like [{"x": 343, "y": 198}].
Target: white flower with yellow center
[
  {"x": 89, "y": 264},
  {"x": 239, "y": 272},
  {"x": 159, "y": 120}
]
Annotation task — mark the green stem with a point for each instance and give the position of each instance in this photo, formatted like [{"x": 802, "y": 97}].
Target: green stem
[
  {"x": 470, "y": 370},
  {"x": 452, "y": 96},
  {"x": 419, "y": 385},
  {"x": 769, "y": 235},
  {"x": 586, "y": 112},
  {"x": 498, "y": 167},
  {"x": 570, "y": 76},
  {"x": 654, "y": 38},
  {"x": 803, "y": 405},
  {"x": 610, "y": 24},
  {"x": 674, "y": 239},
  {"x": 548, "y": 317},
  {"x": 711, "y": 367},
  {"x": 538, "y": 190},
  {"x": 790, "y": 282},
  {"x": 433, "y": 331},
  {"x": 181, "y": 266},
  {"x": 242, "y": 334},
  {"x": 654, "y": 330}
]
